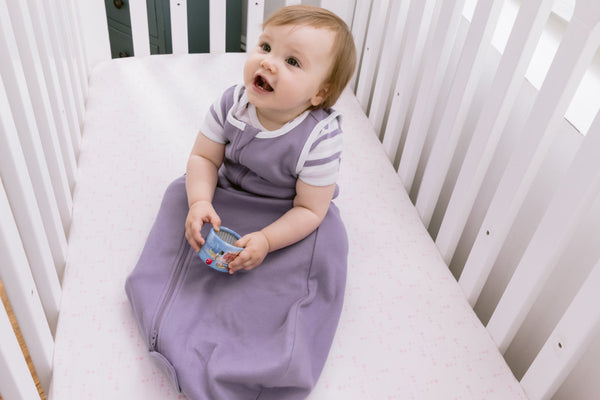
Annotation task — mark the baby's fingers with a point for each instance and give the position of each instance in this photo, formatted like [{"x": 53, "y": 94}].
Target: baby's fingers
[
  {"x": 196, "y": 227},
  {"x": 193, "y": 236},
  {"x": 243, "y": 241},
  {"x": 214, "y": 219},
  {"x": 244, "y": 260},
  {"x": 256, "y": 248}
]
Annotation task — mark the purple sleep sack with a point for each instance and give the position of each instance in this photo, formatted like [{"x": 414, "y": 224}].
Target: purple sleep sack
[{"x": 263, "y": 334}]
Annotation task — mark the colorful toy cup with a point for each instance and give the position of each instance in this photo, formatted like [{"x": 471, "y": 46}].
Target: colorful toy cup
[{"x": 218, "y": 250}]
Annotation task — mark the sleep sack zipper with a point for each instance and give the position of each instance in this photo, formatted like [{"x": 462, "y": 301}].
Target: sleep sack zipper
[{"x": 177, "y": 273}]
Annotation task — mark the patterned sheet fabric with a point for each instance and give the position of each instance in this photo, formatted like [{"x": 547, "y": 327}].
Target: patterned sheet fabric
[{"x": 406, "y": 331}]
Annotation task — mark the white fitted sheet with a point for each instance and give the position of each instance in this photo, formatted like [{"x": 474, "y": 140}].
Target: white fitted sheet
[{"x": 406, "y": 330}]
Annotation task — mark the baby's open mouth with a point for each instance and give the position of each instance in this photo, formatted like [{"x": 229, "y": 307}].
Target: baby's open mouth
[{"x": 262, "y": 83}]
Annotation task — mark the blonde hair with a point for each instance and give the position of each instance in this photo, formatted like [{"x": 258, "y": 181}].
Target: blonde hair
[{"x": 344, "y": 51}]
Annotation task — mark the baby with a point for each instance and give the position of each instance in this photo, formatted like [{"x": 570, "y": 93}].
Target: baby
[
  {"x": 265, "y": 163},
  {"x": 302, "y": 62}
]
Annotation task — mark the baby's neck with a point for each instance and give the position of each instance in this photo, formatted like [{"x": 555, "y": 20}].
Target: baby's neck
[{"x": 272, "y": 122}]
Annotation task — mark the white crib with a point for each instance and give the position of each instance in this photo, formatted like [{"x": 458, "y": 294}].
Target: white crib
[{"x": 444, "y": 138}]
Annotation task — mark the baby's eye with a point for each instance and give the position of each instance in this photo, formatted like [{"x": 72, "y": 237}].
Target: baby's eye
[
  {"x": 265, "y": 47},
  {"x": 293, "y": 62}
]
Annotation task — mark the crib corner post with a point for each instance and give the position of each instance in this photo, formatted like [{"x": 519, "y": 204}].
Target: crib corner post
[{"x": 94, "y": 31}]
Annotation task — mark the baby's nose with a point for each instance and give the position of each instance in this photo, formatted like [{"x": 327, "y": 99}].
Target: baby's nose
[{"x": 268, "y": 64}]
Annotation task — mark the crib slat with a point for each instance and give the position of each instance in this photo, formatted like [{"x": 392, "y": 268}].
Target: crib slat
[
  {"x": 436, "y": 61},
  {"x": 370, "y": 59},
  {"x": 573, "y": 198},
  {"x": 139, "y": 27},
  {"x": 573, "y": 56},
  {"x": 39, "y": 171},
  {"x": 65, "y": 34},
  {"x": 44, "y": 37},
  {"x": 217, "y": 26},
  {"x": 22, "y": 293},
  {"x": 56, "y": 54},
  {"x": 571, "y": 337},
  {"x": 256, "y": 10},
  {"x": 419, "y": 14},
  {"x": 392, "y": 48},
  {"x": 59, "y": 125},
  {"x": 23, "y": 112},
  {"x": 15, "y": 380},
  {"x": 460, "y": 97},
  {"x": 179, "y": 35},
  {"x": 81, "y": 60},
  {"x": 26, "y": 212},
  {"x": 359, "y": 31},
  {"x": 77, "y": 72},
  {"x": 518, "y": 52},
  {"x": 343, "y": 9}
]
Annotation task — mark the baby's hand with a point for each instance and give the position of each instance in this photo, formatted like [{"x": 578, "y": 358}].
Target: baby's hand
[
  {"x": 200, "y": 212},
  {"x": 256, "y": 249}
]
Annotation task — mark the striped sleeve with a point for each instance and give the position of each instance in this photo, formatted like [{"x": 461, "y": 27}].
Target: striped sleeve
[
  {"x": 322, "y": 163},
  {"x": 214, "y": 121}
]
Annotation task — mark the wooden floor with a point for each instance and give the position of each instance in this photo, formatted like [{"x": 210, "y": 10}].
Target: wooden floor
[{"x": 13, "y": 321}]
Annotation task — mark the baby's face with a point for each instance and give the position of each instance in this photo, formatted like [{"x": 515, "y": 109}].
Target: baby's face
[{"x": 285, "y": 74}]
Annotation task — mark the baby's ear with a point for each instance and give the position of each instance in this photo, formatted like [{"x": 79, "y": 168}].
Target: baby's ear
[{"x": 321, "y": 95}]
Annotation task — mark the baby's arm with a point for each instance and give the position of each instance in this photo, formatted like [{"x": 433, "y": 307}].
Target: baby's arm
[
  {"x": 310, "y": 206},
  {"x": 200, "y": 182}
]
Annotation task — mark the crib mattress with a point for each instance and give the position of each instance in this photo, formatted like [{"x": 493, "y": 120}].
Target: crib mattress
[{"x": 406, "y": 330}]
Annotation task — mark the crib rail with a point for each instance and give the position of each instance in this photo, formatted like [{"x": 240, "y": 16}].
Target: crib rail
[
  {"x": 41, "y": 110},
  {"x": 507, "y": 188},
  {"x": 445, "y": 130}
]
